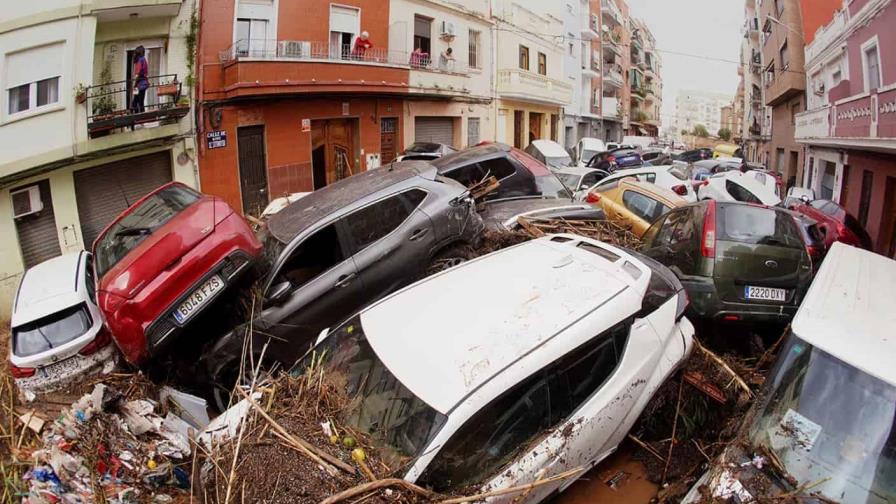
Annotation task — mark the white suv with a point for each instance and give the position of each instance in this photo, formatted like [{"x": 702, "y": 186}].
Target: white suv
[
  {"x": 57, "y": 330},
  {"x": 517, "y": 366},
  {"x": 672, "y": 177}
]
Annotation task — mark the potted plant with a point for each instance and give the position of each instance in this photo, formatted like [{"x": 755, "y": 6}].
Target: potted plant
[{"x": 80, "y": 93}]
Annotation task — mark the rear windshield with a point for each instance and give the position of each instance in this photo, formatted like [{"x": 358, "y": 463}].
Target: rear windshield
[
  {"x": 51, "y": 332},
  {"x": 678, "y": 173},
  {"x": 740, "y": 193},
  {"x": 141, "y": 222},
  {"x": 759, "y": 226}
]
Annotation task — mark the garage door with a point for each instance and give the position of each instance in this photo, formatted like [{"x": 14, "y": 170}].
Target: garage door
[
  {"x": 434, "y": 129},
  {"x": 104, "y": 191}
]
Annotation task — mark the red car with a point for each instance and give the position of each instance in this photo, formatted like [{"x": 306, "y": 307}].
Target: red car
[
  {"x": 835, "y": 223},
  {"x": 163, "y": 261}
]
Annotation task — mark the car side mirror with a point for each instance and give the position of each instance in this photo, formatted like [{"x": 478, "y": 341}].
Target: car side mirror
[{"x": 279, "y": 293}]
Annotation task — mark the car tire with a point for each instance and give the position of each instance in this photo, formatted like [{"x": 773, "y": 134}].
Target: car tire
[
  {"x": 225, "y": 378},
  {"x": 449, "y": 257}
]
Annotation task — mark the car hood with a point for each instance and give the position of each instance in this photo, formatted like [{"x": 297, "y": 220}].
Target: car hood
[
  {"x": 164, "y": 248},
  {"x": 497, "y": 214}
]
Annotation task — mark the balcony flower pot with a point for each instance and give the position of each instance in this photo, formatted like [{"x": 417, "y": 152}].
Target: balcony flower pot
[{"x": 167, "y": 89}]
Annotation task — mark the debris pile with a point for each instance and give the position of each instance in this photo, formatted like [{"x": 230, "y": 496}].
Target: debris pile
[
  {"x": 602, "y": 230},
  {"x": 108, "y": 448}
]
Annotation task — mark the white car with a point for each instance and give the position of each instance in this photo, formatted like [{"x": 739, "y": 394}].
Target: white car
[
  {"x": 57, "y": 330},
  {"x": 549, "y": 153},
  {"x": 579, "y": 180},
  {"x": 765, "y": 179},
  {"x": 586, "y": 148},
  {"x": 826, "y": 414},
  {"x": 736, "y": 186},
  {"x": 671, "y": 177},
  {"x": 513, "y": 367}
]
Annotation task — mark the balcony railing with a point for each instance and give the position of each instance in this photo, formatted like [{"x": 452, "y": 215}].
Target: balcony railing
[
  {"x": 111, "y": 106},
  {"x": 611, "y": 11},
  {"x": 517, "y": 83},
  {"x": 302, "y": 50},
  {"x": 613, "y": 76}
]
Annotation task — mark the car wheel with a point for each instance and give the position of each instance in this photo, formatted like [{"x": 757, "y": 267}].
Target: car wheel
[
  {"x": 449, "y": 258},
  {"x": 228, "y": 376}
]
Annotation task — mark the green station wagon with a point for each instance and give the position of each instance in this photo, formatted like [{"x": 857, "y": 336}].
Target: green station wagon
[{"x": 737, "y": 261}]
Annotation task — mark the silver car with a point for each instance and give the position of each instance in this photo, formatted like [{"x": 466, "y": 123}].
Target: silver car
[{"x": 345, "y": 246}]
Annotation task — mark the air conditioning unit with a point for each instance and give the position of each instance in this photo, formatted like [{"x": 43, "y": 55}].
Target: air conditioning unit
[
  {"x": 448, "y": 29},
  {"x": 26, "y": 201},
  {"x": 818, "y": 88}
]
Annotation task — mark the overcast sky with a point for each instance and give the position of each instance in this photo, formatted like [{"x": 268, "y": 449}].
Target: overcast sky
[{"x": 709, "y": 28}]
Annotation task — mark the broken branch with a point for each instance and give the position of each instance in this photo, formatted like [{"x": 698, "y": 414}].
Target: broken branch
[
  {"x": 721, "y": 363},
  {"x": 647, "y": 447},
  {"x": 375, "y": 485}
]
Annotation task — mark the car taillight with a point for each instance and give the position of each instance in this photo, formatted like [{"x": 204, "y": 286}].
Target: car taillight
[
  {"x": 680, "y": 190},
  {"x": 103, "y": 338},
  {"x": 683, "y": 302},
  {"x": 592, "y": 198},
  {"x": 708, "y": 245},
  {"x": 20, "y": 372}
]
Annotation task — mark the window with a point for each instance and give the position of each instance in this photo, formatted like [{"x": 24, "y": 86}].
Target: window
[
  {"x": 33, "y": 78},
  {"x": 510, "y": 423},
  {"x": 472, "y": 131},
  {"x": 865, "y": 202},
  {"x": 542, "y": 64},
  {"x": 90, "y": 279},
  {"x": 827, "y": 180},
  {"x": 785, "y": 57},
  {"x": 500, "y": 168},
  {"x": 375, "y": 221},
  {"x": 423, "y": 34},
  {"x": 837, "y": 76},
  {"x": 766, "y": 31},
  {"x": 473, "y": 54},
  {"x": 251, "y": 35},
  {"x": 642, "y": 206},
  {"x": 794, "y": 110},
  {"x": 524, "y": 57},
  {"x": 345, "y": 25},
  {"x": 872, "y": 67},
  {"x": 317, "y": 254},
  {"x": 780, "y": 159},
  {"x": 756, "y": 225},
  {"x": 740, "y": 193}
]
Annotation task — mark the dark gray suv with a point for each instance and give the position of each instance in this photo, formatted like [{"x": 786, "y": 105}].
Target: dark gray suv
[{"x": 345, "y": 246}]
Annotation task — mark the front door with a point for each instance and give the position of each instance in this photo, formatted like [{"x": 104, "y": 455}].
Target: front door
[
  {"x": 333, "y": 140},
  {"x": 518, "y": 133},
  {"x": 388, "y": 131},
  {"x": 534, "y": 126},
  {"x": 253, "y": 169}
]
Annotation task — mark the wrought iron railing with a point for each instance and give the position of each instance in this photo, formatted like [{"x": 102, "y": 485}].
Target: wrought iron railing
[{"x": 112, "y": 105}]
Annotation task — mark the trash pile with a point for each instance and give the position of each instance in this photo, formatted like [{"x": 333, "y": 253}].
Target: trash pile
[
  {"x": 602, "y": 230},
  {"x": 109, "y": 448}
]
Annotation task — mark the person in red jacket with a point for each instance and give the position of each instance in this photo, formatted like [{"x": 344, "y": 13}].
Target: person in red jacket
[
  {"x": 141, "y": 80},
  {"x": 362, "y": 44}
]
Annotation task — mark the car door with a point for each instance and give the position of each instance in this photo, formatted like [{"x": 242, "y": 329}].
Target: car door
[
  {"x": 391, "y": 239},
  {"x": 643, "y": 210},
  {"x": 314, "y": 286}
]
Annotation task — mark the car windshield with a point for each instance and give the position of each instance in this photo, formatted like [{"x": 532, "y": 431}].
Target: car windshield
[
  {"x": 831, "y": 425},
  {"x": 570, "y": 180},
  {"x": 139, "y": 223},
  {"x": 379, "y": 405},
  {"x": 51, "y": 331},
  {"x": 759, "y": 226},
  {"x": 558, "y": 161},
  {"x": 588, "y": 154},
  {"x": 551, "y": 187}
]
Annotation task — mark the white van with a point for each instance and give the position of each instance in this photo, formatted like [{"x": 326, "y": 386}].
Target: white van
[
  {"x": 586, "y": 148},
  {"x": 827, "y": 411}
]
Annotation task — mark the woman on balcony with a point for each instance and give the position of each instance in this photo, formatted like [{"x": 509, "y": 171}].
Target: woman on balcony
[
  {"x": 141, "y": 80},
  {"x": 362, "y": 44}
]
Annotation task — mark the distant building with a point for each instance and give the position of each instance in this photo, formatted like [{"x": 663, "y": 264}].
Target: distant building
[
  {"x": 699, "y": 107},
  {"x": 849, "y": 131},
  {"x": 726, "y": 119}
]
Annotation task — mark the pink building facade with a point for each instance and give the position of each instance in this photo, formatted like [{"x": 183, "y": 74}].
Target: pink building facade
[{"x": 849, "y": 128}]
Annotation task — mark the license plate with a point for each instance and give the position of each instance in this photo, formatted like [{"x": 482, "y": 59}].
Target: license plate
[
  {"x": 60, "y": 368},
  {"x": 199, "y": 298},
  {"x": 765, "y": 293}
]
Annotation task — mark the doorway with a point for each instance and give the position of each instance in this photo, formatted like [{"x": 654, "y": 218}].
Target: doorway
[
  {"x": 388, "y": 131},
  {"x": 534, "y": 126},
  {"x": 332, "y": 150},
  {"x": 253, "y": 169},
  {"x": 518, "y": 129},
  {"x": 153, "y": 57}
]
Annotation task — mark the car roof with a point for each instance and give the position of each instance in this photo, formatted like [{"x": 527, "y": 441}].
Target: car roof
[
  {"x": 513, "y": 301},
  {"x": 49, "y": 287},
  {"x": 576, "y": 170},
  {"x": 758, "y": 189},
  {"x": 660, "y": 192},
  {"x": 304, "y": 213},
  {"x": 846, "y": 314},
  {"x": 592, "y": 142},
  {"x": 550, "y": 148},
  {"x": 451, "y": 161}
]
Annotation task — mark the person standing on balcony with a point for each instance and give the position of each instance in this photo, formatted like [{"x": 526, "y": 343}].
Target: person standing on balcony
[
  {"x": 141, "y": 80},
  {"x": 446, "y": 60},
  {"x": 362, "y": 44}
]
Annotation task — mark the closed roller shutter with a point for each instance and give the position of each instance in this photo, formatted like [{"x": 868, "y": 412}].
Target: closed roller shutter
[
  {"x": 38, "y": 238},
  {"x": 104, "y": 191},
  {"x": 434, "y": 129}
]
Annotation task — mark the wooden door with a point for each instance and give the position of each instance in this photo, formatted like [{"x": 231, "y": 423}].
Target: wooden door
[
  {"x": 388, "y": 132},
  {"x": 534, "y": 126},
  {"x": 518, "y": 129},
  {"x": 332, "y": 141},
  {"x": 253, "y": 169}
]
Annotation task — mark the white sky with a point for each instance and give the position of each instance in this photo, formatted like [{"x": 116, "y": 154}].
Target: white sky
[{"x": 709, "y": 28}]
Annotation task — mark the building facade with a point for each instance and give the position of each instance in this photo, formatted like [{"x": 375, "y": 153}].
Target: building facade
[
  {"x": 614, "y": 101},
  {"x": 754, "y": 126},
  {"x": 849, "y": 130},
  {"x": 644, "y": 82},
  {"x": 74, "y": 150},
  {"x": 582, "y": 67},
  {"x": 694, "y": 107},
  {"x": 304, "y": 101}
]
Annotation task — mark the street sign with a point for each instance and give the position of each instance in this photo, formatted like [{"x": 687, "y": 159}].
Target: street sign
[
  {"x": 306, "y": 125},
  {"x": 216, "y": 139}
]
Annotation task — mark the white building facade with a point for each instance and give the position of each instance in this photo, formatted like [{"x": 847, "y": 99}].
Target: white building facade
[{"x": 699, "y": 107}]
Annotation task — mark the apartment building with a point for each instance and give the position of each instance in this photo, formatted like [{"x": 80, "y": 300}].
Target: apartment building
[
  {"x": 644, "y": 82},
  {"x": 849, "y": 130},
  {"x": 74, "y": 152},
  {"x": 754, "y": 126},
  {"x": 531, "y": 87},
  {"x": 302, "y": 100},
  {"x": 581, "y": 65},
  {"x": 726, "y": 118},
  {"x": 614, "y": 104},
  {"x": 694, "y": 107}
]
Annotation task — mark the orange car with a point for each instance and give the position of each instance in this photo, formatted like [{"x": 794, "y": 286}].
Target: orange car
[{"x": 634, "y": 204}]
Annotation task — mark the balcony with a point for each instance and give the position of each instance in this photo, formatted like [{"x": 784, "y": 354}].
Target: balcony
[
  {"x": 592, "y": 30},
  {"x": 638, "y": 92},
  {"x": 613, "y": 76},
  {"x": 264, "y": 67},
  {"x": 520, "y": 84},
  {"x": 120, "y": 10},
  {"x": 109, "y": 105},
  {"x": 612, "y": 43},
  {"x": 826, "y": 36},
  {"x": 610, "y": 107},
  {"x": 813, "y": 124},
  {"x": 591, "y": 66},
  {"x": 611, "y": 13}
]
